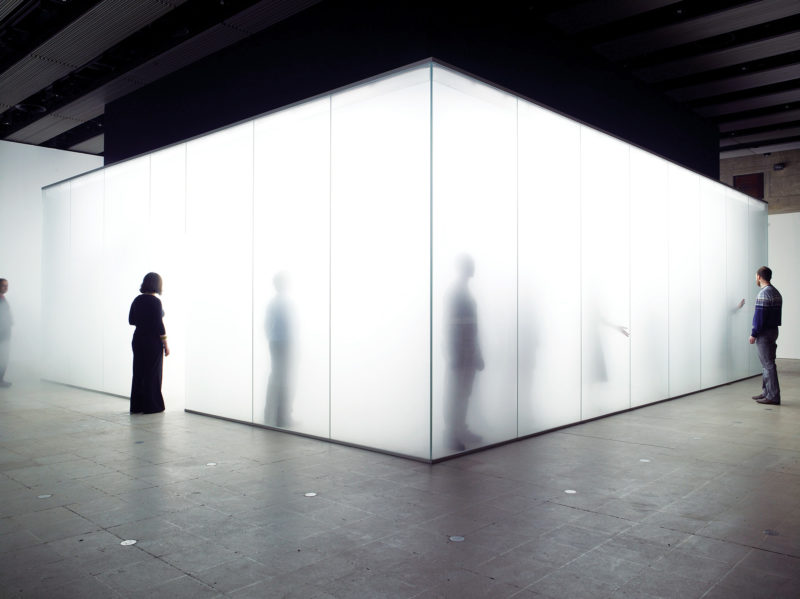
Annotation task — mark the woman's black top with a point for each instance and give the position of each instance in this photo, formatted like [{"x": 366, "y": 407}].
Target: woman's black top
[{"x": 146, "y": 315}]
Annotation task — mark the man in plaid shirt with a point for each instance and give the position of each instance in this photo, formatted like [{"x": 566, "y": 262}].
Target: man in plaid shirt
[{"x": 766, "y": 320}]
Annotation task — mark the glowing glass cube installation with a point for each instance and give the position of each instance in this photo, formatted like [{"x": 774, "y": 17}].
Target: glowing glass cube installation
[{"x": 421, "y": 264}]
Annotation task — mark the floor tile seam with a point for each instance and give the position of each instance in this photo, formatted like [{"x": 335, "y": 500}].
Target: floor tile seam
[
  {"x": 720, "y": 582},
  {"x": 168, "y": 564},
  {"x": 149, "y": 588},
  {"x": 672, "y": 572},
  {"x": 480, "y": 574},
  {"x": 785, "y": 473},
  {"x": 585, "y": 436},
  {"x": 587, "y": 578},
  {"x": 587, "y": 511},
  {"x": 704, "y": 556},
  {"x": 757, "y": 548},
  {"x": 361, "y": 569},
  {"x": 655, "y": 480},
  {"x": 633, "y": 524}
]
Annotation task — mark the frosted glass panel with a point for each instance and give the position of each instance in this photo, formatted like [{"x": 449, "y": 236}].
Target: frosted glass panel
[
  {"x": 125, "y": 262},
  {"x": 474, "y": 264},
  {"x": 684, "y": 281},
  {"x": 167, "y": 256},
  {"x": 549, "y": 250},
  {"x": 740, "y": 283},
  {"x": 757, "y": 257},
  {"x": 605, "y": 287},
  {"x": 380, "y": 251},
  {"x": 716, "y": 312},
  {"x": 219, "y": 174},
  {"x": 86, "y": 283},
  {"x": 291, "y": 282},
  {"x": 649, "y": 281},
  {"x": 57, "y": 289}
]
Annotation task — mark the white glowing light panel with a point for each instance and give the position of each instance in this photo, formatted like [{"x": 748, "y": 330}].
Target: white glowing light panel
[
  {"x": 717, "y": 312},
  {"x": 756, "y": 257},
  {"x": 740, "y": 283},
  {"x": 474, "y": 393},
  {"x": 85, "y": 308},
  {"x": 684, "y": 280},
  {"x": 421, "y": 264},
  {"x": 649, "y": 241},
  {"x": 549, "y": 289},
  {"x": 291, "y": 280},
  {"x": 605, "y": 269},
  {"x": 126, "y": 217},
  {"x": 380, "y": 264},
  {"x": 56, "y": 266},
  {"x": 219, "y": 284}
]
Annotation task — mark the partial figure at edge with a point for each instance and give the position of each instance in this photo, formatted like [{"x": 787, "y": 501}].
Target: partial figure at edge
[
  {"x": 6, "y": 321},
  {"x": 149, "y": 347}
]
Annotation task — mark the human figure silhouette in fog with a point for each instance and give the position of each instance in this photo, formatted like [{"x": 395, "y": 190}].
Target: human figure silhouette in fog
[
  {"x": 596, "y": 325},
  {"x": 5, "y": 332},
  {"x": 279, "y": 334},
  {"x": 464, "y": 356}
]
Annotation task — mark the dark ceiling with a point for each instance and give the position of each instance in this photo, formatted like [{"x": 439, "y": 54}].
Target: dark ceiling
[{"x": 735, "y": 63}]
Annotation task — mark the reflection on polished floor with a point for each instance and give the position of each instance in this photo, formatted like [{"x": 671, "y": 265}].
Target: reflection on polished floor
[{"x": 695, "y": 497}]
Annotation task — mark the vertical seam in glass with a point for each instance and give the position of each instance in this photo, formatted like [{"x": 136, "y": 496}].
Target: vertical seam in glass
[
  {"x": 330, "y": 264},
  {"x": 748, "y": 350},
  {"x": 150, "y": 227},
  {"x": 516, "y": 328},
  {"x": 185, "y": 188},
  {"x": 430, "y": 263},
  {"x": 102, "y": 274},
  {"x": 728, "y": 369},
  {"x": 69, "y": 263},
  {"x": 580, "y": 270},
  {"x": 252, "y": 273},
  {"x": 185, "y": 244},
  {"x": 700, "y": 282},
  {"x": 669, "y": 283},
  {"x": 630, "y": 281}
]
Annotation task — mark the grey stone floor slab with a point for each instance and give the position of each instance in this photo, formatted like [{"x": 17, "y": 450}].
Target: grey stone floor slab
[{"x": 695, "y": 497}]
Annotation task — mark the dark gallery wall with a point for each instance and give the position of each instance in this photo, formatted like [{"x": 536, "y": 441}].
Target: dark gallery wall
[{"x": 338, "y": 42}]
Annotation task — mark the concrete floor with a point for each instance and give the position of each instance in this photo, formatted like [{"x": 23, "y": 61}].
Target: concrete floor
[{"x": 697, "y": 497}]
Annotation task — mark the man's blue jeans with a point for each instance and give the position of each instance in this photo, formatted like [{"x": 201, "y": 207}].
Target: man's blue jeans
[{"x": 766, "y": 346}]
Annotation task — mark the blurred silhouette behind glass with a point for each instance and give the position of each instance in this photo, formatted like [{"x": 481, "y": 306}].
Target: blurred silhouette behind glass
[
  {"x": 5, "y": 332},
  {"x": 149, "y": 347},
  {"x": 279, "y": 334},
  {"x": 464, "y": 357}
]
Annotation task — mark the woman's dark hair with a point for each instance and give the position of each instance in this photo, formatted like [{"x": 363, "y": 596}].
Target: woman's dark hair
[{"x": 151, "y": 283}]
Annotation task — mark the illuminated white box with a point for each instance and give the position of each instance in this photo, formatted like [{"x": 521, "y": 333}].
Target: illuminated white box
[{"x": 422, "y": 264}]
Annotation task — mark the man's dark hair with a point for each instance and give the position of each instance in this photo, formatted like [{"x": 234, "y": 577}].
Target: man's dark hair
[
  {"x": 151, "y": 283},
  {"x": 765, "y": 272}
]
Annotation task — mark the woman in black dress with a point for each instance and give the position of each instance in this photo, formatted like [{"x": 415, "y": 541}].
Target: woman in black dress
[{"x": 149, "y": 347}]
